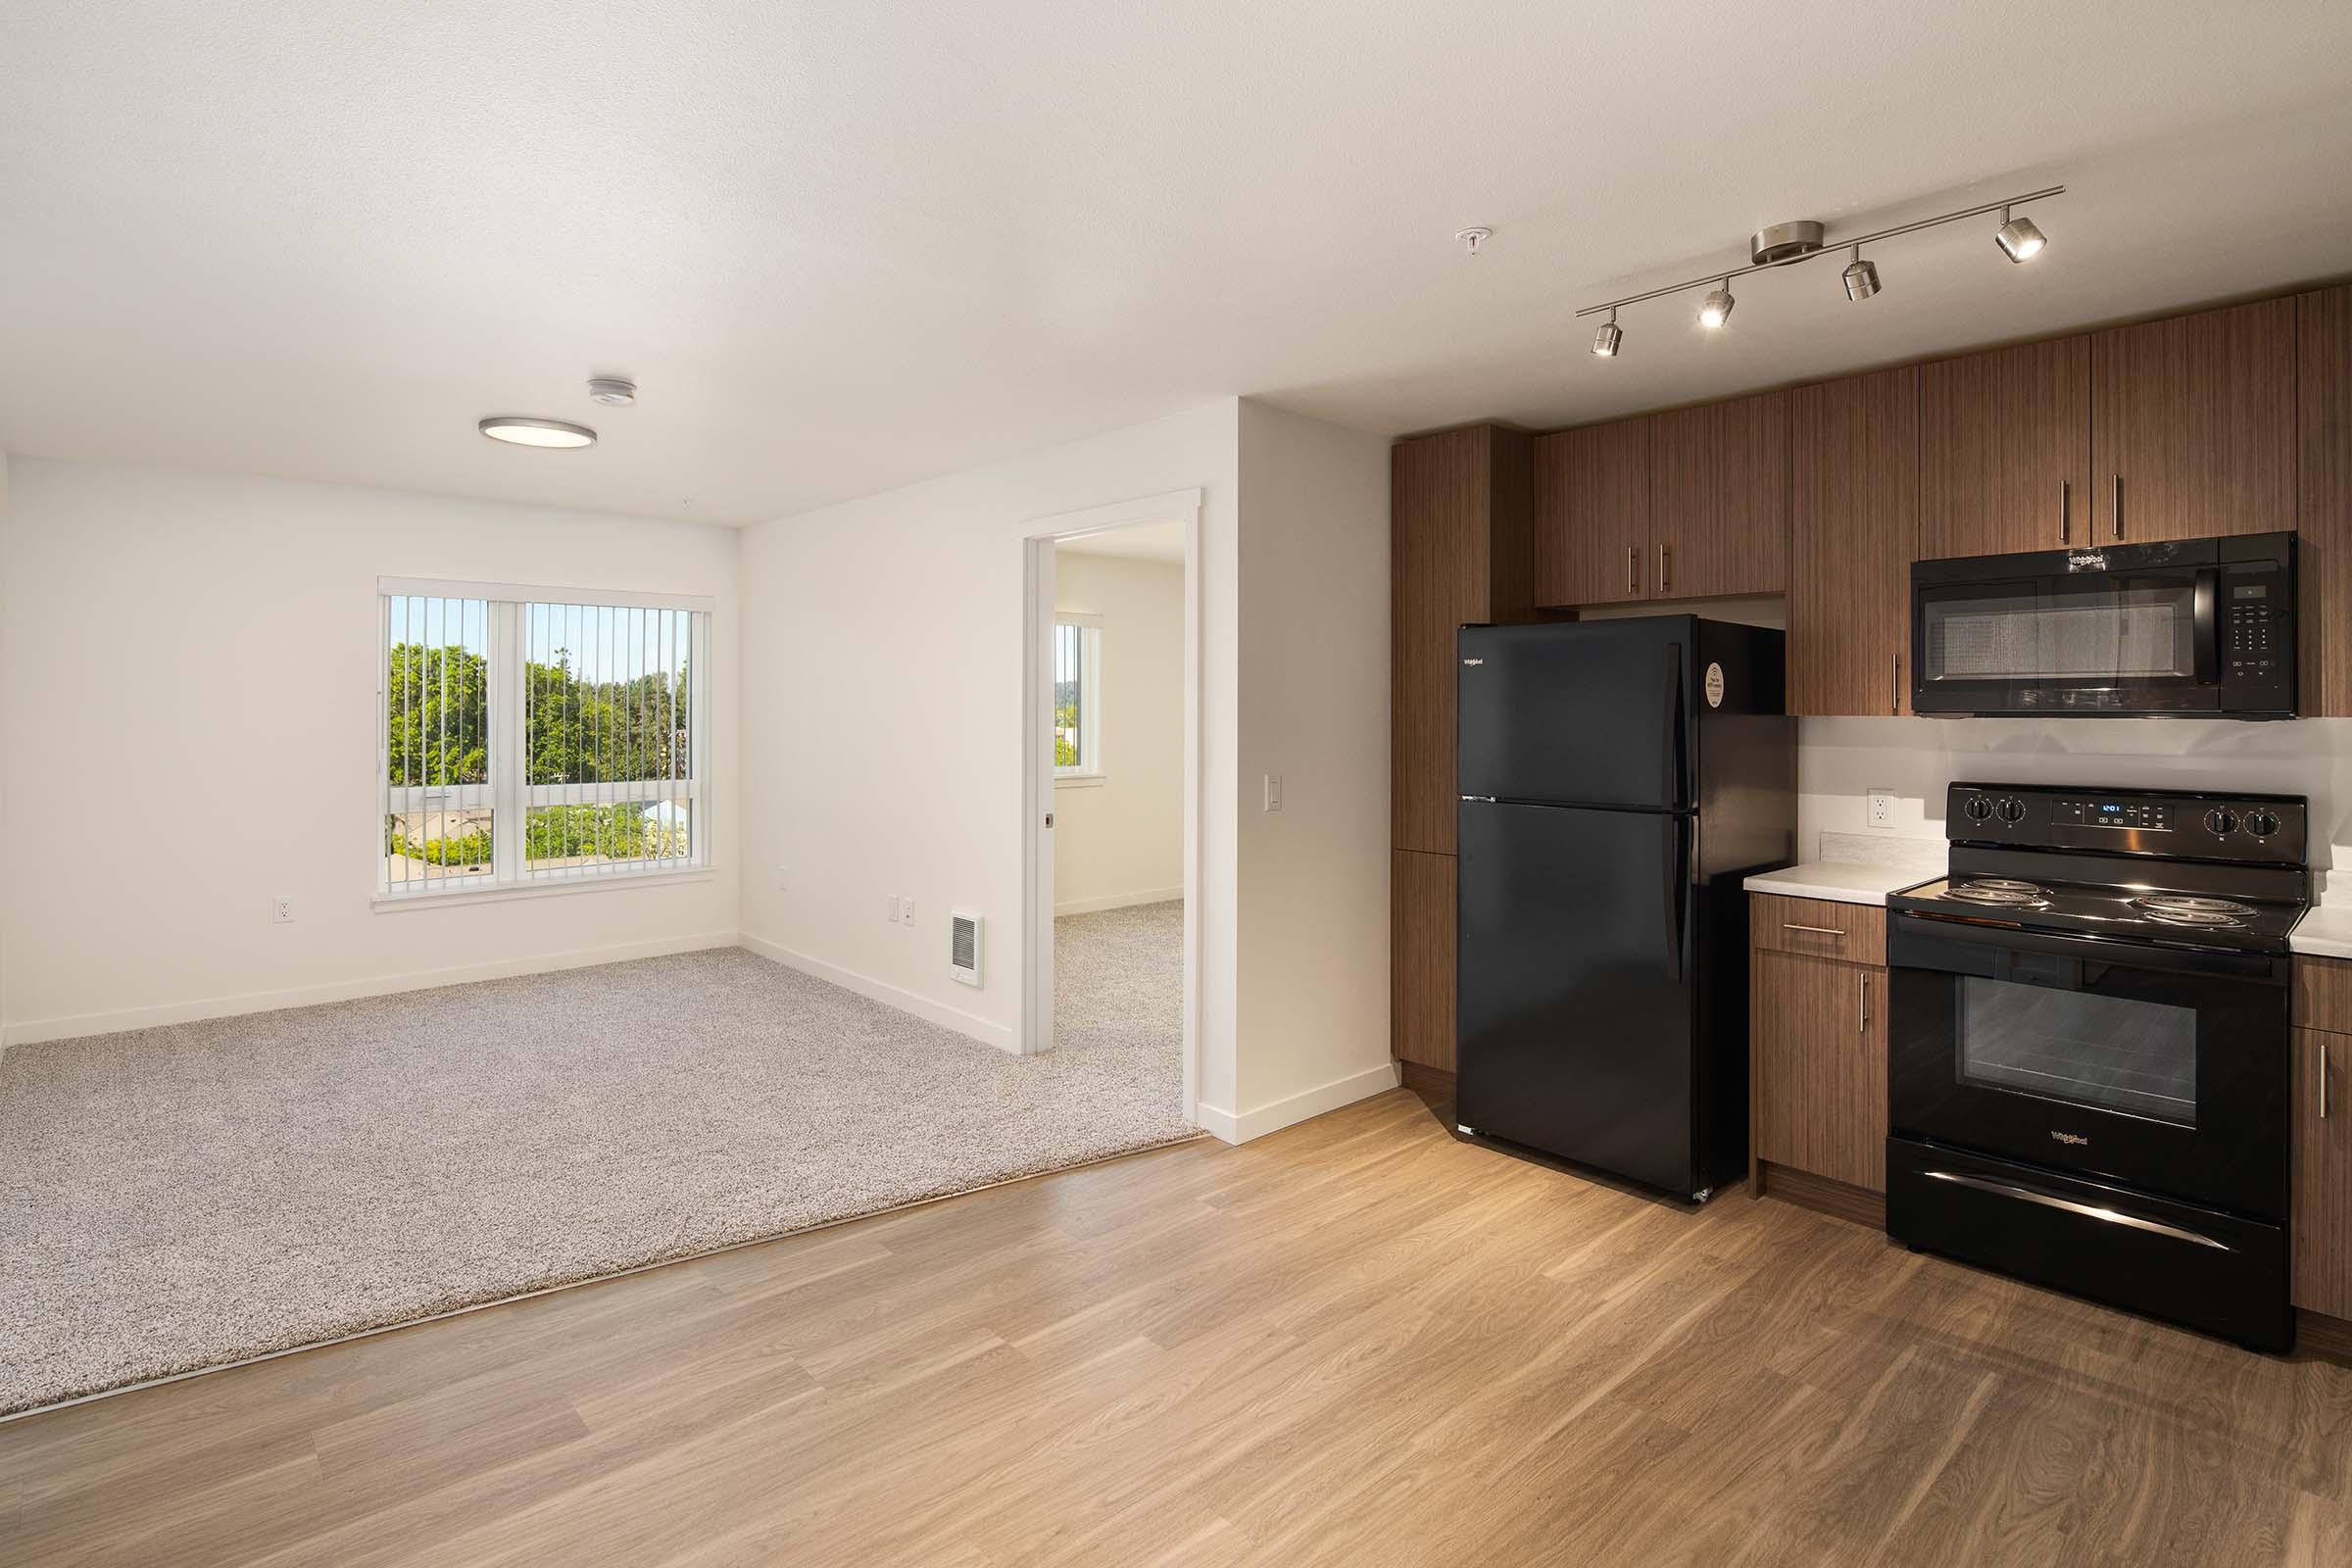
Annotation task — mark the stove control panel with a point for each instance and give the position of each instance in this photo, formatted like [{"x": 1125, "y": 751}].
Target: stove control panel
[{"x": 2183, "y": 825}]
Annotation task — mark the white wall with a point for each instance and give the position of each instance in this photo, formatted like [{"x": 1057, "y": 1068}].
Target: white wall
[
  {"x": 1840, "y": 760},
  {"x": 4, "y": 742},
  {"x": 187, "y": 712},
  {"x": 1119, "y": 840},
  {"x": 882, "y": 693},
  {"x": 883, "y": 722},
  {"x": 1314, "y": 711}
]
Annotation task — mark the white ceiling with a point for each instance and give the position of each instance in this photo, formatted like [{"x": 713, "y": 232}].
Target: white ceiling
[
  {"x": 844, "y": 245},
  {"x": 1161, "y": 542}
]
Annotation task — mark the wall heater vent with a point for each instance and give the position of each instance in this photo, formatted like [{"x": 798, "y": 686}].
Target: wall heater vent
[{"x": 963, "y": 946}]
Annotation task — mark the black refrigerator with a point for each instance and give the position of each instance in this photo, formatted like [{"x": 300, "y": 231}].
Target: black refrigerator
[{"x": 1618, "y": 779}]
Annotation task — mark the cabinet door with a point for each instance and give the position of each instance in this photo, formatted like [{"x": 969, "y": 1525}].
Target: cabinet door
[
  {"x": 1853, "y": 462},
  {"x": 2323, "y": 1174},
  {"x": 2194, "y": 425},
  {"x": 1719, "y": 498},
  {"x": 1421, "y": 957},
  {"x": 2004, "y": 451},
  {"x": 2324, "y": 559},
  {"x": 1820, "y": 1044},
  {"x": 1592, "y": 533},
  {"x": 1441, "y": 500}
]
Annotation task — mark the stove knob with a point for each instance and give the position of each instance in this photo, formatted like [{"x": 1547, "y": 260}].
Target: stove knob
[
  {"x": 2013, "y": 810},
  {"x": 2222, "y": 819},
  {"x": 1978, "y": 809},
  {"x": 2262, "y": 824}
]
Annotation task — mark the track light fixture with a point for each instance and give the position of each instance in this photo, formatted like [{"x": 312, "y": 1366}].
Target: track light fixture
[
  {"x": 1716, "y": 308},
  {"x": 1605, "y": 341},
  {"x": 1861, "y": 277},
  {"x": 1789, "y": 244},
  {"x": 2018, "y": 238}
]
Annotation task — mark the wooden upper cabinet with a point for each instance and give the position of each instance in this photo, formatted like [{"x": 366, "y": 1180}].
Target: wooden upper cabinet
[
  {"x": 1460, "y": 507},
  {"x": 1853, "y": 460},
  {"x": 2005, "y": 451},
  {"x": 2324, "y": 518},
  {"x": 2194, "y": 425},
  {"x": 1592, "y": 533},
  {"x": 1719, "y": 498}
]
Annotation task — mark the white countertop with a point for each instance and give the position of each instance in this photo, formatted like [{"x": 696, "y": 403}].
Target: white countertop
[
  {"x": 2326, "y": 931},
  {"x": 1854, "y": 882}
]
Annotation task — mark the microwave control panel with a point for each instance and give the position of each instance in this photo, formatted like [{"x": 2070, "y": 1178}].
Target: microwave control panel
[{"x": 2253, "y": 631}]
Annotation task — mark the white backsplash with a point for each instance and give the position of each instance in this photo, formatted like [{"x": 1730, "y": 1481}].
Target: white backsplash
[
  {"x": 1926, "y": 856},
  {"x": 1841, "y": 760}
]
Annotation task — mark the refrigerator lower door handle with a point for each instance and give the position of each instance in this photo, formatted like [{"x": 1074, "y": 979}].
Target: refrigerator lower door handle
[{"x": 1675, "y": 828}]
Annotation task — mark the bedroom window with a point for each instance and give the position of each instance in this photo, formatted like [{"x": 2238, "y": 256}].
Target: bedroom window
[
  {"x": 1077, "y": 697},
  {"x": 538, "y": 739}
]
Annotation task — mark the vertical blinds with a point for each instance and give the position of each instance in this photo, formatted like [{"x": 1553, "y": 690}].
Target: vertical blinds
[{"x": 535, "y": 739}]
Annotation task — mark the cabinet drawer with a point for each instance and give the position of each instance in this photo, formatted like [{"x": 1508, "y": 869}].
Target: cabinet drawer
[
  {"x": 1818, "y": 928},
  {"x": 2323, "y": 994}
]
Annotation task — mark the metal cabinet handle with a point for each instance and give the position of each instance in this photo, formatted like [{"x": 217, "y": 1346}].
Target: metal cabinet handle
[
  {"x": 1817, "y": 930},
  {"x": 1633, "y": 566},
  {"x": 1861, "y": 1003},
  {"x": 2115, "y": 513},
  {"x": 2063, "y": 488},
  {"x": 2323, "y": 1080},
  {"x": 1665, "y": 565},
  {"x": 1895, "y": 683}
]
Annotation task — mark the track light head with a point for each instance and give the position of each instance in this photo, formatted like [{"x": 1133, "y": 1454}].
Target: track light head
[
  {"x": 1861, "y": 277},
  {"x": 1716, "y": 308},
  {"x": 2018, "y": 238},
  {"x": 1605, "y": 341}
]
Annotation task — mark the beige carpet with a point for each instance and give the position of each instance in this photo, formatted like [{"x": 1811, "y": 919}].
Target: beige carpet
[{"x": 179, "y": 1198}]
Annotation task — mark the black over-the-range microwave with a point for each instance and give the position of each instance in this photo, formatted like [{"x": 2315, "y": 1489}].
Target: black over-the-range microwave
[{"x": 2176, "y": 627}]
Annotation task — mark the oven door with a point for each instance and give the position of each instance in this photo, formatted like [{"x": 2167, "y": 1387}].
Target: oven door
[
  {"x": 2098, "y": 642},
  {"x": 2163, "y": 1069}
]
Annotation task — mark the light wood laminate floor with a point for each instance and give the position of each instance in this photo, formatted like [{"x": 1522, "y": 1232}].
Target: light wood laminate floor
[{"x": 1355, "y": 1342}]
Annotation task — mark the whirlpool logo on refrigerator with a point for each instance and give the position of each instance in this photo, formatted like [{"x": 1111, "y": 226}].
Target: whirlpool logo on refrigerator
[
  {"x": 2075, "y": 1139},
  {"x": 1469, "y": 663}
]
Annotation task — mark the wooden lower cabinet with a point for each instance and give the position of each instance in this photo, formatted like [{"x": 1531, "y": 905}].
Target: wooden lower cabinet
[
  {"x": 1421, "y": 957},
  {"x": 1818, "y": 1035},
  {"x": 2323, "y": 1174}
]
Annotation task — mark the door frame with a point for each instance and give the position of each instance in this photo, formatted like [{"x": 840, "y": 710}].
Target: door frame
[{"x": 1039, "y": 537}]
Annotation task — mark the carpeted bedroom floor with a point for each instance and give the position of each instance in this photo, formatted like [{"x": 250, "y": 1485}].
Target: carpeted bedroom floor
[{"x": 179, "y": 1198}]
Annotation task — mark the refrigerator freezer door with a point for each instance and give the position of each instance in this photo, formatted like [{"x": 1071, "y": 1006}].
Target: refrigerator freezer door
[
  {"x": 1576, "y": 994},
  {"x": 1588, "y": 713}
]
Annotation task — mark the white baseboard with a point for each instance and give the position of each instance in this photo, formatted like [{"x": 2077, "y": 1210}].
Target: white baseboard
[
  {"x": 1241, "y": 1128},
  {"x": 986, "y": 1031},
  {"x": 1118, "y": 900},
  {"x": 30, "y": 1031}
]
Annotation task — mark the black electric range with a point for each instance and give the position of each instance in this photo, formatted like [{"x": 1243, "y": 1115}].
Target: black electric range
[{"x": 2088, "y": 1044}]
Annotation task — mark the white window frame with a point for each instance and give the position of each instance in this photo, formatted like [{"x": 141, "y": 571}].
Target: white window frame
[
  {"x": 507, "y": 795},
  {"x": 1088, "y": 771}
]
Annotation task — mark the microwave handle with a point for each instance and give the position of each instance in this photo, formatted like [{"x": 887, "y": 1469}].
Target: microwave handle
[{"x": 2204, "y": 638}]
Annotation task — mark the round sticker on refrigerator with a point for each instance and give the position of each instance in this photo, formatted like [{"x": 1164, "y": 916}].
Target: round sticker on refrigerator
[{"x": 1714, "y": 685}]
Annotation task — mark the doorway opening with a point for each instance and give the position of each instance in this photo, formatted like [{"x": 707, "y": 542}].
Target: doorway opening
[{"x": 1110, "y": 764}]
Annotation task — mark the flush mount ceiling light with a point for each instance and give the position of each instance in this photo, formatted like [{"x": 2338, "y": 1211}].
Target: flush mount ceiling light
[
  {"x": 1861, "y": 277},
  {"x": 1793, "y": 244},
  {"x": 519, "y": 431},
  {"x": 613, "y": 391},
  {"x": 2018, "y": 238},
  {"x": 1605, "y": 341}
]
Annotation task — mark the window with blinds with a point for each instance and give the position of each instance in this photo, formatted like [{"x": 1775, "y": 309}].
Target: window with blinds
[{"x": 532, "y": 736}]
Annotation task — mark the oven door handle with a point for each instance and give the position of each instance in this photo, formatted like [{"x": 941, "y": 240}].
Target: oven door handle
[
  {"x": 1912, "y": 941},
  {"x": 2208, "y": 657},
  {"x": 2108, "y": 1216}
]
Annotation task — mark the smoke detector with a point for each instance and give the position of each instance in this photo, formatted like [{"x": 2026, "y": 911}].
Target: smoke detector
[{"x": 613, "y": 391}]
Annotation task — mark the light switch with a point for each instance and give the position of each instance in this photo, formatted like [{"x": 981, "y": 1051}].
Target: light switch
[{"x": 1273, "y": 792}]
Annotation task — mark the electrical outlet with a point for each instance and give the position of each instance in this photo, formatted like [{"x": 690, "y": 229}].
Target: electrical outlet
[
  {"x": 281, "y": 908},
  {"x": 1881, "y": 808},
  {"x": 908, "y": 910}
]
